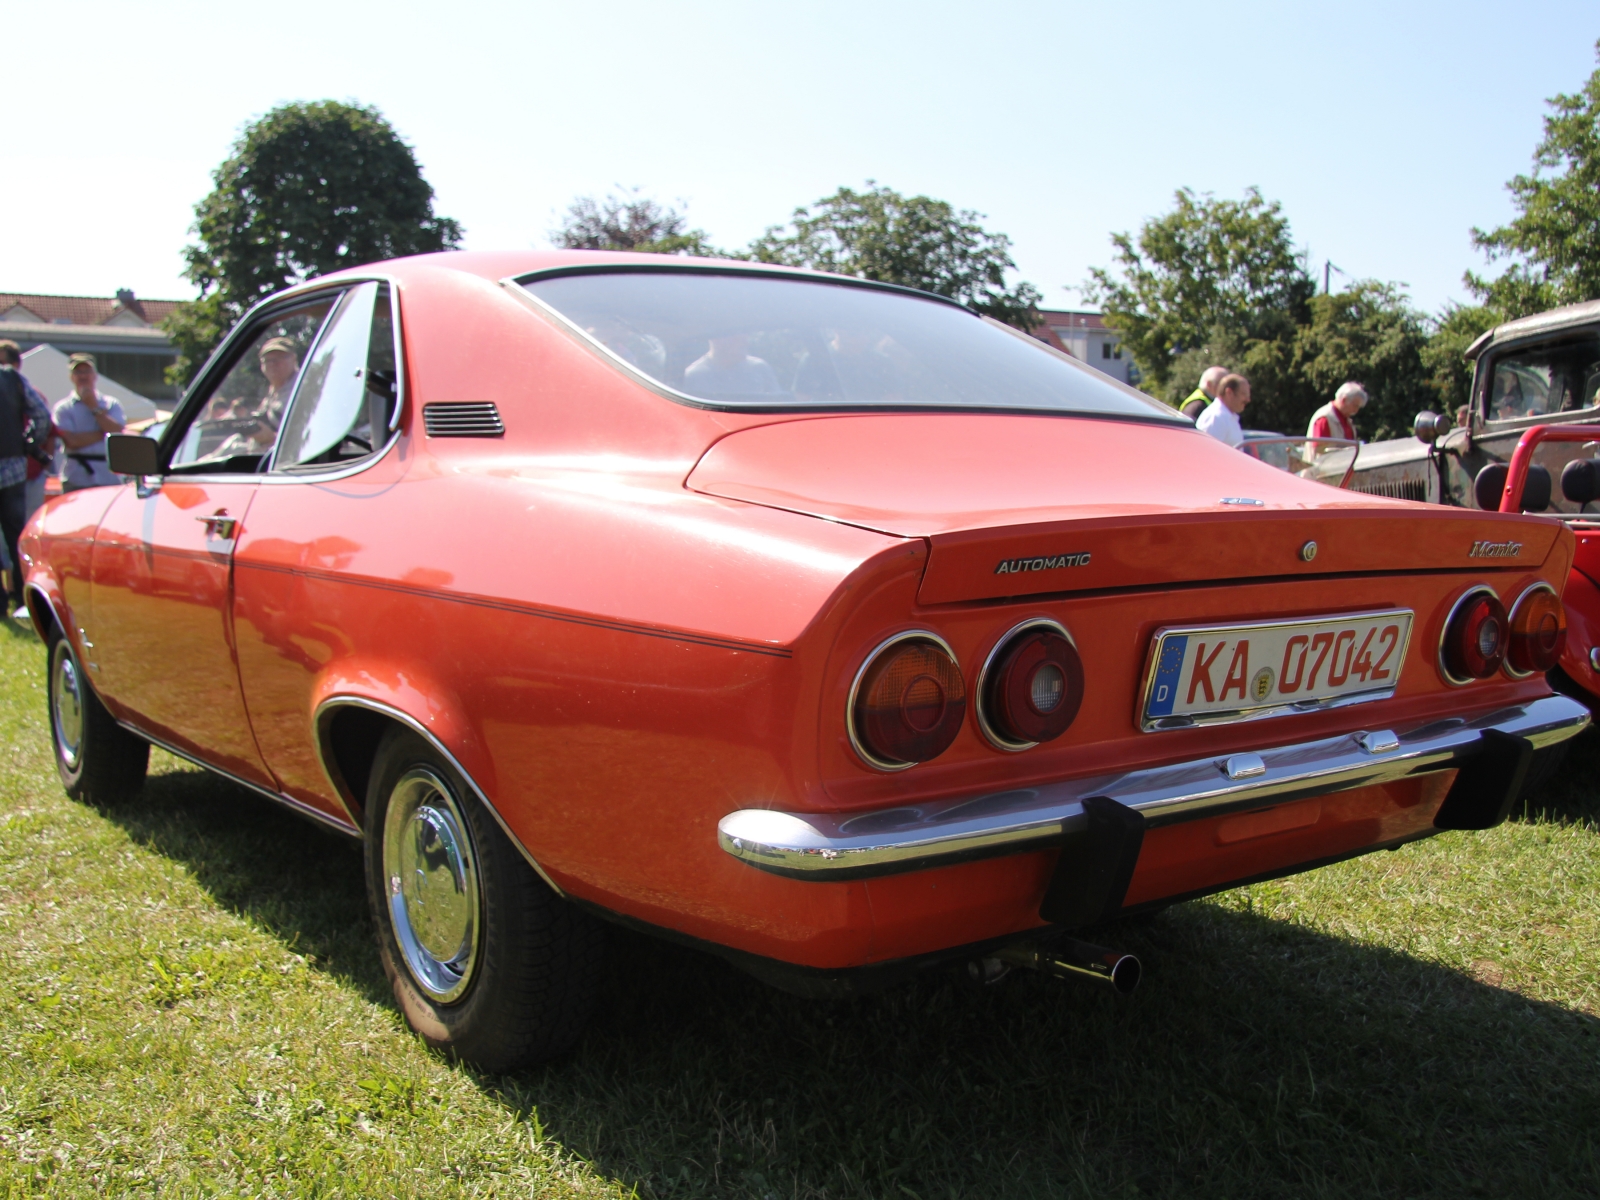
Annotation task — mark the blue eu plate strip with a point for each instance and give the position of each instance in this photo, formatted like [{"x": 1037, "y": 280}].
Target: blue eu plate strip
[{"x": 1164, "y": 687}]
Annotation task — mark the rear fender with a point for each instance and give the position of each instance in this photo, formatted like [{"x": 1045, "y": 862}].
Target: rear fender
[{"x": 430, "y": 711}]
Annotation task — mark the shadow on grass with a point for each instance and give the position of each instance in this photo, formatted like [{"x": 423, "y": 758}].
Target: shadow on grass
[
  {"x": 298, "y": 881},
  {"x": 1571, "y": 797},
  {"x": 1259, "y": 1059}
]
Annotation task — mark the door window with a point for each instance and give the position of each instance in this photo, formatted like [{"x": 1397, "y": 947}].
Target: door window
[
  {"x": 238, "y": 422},
  {"x": 346, "y": 400}
]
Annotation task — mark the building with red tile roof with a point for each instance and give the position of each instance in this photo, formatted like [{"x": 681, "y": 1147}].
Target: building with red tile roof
[{"x": 122, "y": 332}]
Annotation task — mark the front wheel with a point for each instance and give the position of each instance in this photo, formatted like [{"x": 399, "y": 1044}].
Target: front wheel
[
  {"x": 487, "y": 963},
  {"x": 98, "y": 760}
]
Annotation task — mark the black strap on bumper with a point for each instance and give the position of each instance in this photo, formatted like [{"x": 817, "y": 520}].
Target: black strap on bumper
[
  {"x": 1488, "y": 783},
  {"x": 1096, "y": 865}
]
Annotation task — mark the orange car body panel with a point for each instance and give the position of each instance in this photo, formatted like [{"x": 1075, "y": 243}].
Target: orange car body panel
[{"x": 630, "y": 617}]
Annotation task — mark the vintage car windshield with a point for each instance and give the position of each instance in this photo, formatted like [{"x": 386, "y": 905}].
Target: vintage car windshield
[
  {"x": 1562, "y": 376},
  {"x": 752, "y": 341}
]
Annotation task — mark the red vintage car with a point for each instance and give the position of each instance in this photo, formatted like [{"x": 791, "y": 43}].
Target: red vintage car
[{"x": 820, "y": 623}]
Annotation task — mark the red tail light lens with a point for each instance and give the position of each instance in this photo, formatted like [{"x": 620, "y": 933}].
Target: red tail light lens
[
  {"x": 1475, "y": 638},
  {"x": 908, "y": 702},
  {"x": 1032, "y": 687},
  {"x": 1538, "y": 626}
]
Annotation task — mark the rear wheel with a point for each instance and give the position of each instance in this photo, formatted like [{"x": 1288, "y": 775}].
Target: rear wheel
[
  {"x": 486, "y": 961},
  {"x": 98, "y": 760}
]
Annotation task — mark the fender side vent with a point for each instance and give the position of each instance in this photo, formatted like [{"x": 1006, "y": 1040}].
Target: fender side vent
[{"x": 463, "y": 420}]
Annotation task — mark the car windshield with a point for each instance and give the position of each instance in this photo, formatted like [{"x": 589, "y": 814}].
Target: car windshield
[{"x": 754, "y": 341}]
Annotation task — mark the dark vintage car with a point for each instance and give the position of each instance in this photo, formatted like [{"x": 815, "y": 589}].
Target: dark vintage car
[
  {"x": 1535, "y": 391},
  {"x": 813, "y": 622}
]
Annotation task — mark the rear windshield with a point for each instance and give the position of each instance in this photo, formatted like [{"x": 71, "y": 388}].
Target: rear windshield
[{"x": 752, "y": 341}]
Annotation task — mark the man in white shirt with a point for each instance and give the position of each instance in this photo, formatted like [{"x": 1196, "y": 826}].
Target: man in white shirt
[
  {"x": 726, "y": 370},
  {"x": 83, "y": 420},
  {"x": 1221, "y": 417}
]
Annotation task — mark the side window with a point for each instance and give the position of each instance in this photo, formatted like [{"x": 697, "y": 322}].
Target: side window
[
  {"x": 238, "y": 421},
  {"x": 1560, "y": 376},
  {"x": 347, "y": 397}
]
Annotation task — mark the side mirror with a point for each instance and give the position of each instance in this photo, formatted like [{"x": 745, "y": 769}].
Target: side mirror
[
  {"x": 130, "y": 454},
  {"x": 1431, "y": 426}
]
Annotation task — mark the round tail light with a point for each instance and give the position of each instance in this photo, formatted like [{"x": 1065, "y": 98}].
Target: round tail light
[
  {"x": 1476, "y": 637},
  {"x": 1538, "y": 626},
  {"x": 908, "y": 702},
  {"x": 1031, "y": 687}
]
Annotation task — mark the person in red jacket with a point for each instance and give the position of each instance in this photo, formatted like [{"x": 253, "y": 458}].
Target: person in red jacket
[{"x": 1337, "y": 419}]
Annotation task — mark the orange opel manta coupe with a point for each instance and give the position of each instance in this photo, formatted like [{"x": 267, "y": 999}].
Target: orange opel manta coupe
[{"x": 820, "y": 623}]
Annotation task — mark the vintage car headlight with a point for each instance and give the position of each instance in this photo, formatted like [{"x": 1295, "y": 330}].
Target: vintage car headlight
[
  {"x": 907, "y": 703},
  {"x": 1475, "y": 639},
  {"x": 1538, "y": 626},
  {"x": 1031, "y": 688}
]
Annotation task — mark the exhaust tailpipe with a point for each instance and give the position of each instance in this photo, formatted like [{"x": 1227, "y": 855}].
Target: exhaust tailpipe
[{"x": 1070, "y": 958}]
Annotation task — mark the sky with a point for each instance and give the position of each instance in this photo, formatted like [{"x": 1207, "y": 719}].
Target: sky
[{"x": 1386, "y": 130}]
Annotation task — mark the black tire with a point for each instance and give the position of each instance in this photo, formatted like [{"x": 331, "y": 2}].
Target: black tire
[
  {"x": 488, "y": 964},
  {"x": 98, "y": 760}
]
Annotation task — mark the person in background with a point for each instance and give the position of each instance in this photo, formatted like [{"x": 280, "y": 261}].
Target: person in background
[
  {"x": 1210, "y": 379},
  {"x": 83, "y": 419},
  {"x": 16, "y": 408},
  {"x": 1337, "y": 419},
  {"x": 1221, "y": 418},
  {"x": 11, "y": 356}
]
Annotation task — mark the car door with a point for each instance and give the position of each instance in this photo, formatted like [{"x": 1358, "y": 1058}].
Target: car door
[
  {"x": 302, "y": 596},
  {"x": 161, "y": 572}
]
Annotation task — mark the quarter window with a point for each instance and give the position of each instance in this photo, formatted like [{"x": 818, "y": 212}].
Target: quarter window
[{"x": 345, "y": 403}]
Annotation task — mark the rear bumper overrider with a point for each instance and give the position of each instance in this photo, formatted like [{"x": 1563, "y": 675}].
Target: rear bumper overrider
[{"x": 828, "y": 848}]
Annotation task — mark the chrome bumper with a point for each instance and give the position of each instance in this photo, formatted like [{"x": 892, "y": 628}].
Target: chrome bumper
[{"x": 860, "y": 845}]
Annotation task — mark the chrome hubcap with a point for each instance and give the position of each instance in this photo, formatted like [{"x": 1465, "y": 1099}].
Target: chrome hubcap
[
  {"x": 66, "y": 705},
  {"x": 431, "y": 872}
]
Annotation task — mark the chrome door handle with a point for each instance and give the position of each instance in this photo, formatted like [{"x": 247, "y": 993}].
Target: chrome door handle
[{"x": 220, "y": 525}]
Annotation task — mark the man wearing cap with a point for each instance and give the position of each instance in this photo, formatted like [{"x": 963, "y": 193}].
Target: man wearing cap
[
  {"x": 83, "y": 420},
  {"x": 280, "y": 364}
]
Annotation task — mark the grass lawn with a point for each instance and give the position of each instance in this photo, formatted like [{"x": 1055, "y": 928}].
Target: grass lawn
[{"x": 193, "y": 1006}]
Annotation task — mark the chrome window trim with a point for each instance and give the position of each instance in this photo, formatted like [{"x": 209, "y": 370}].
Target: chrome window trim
[
  {"x": 1511, "y": 620},
  {"x": 321, "y": 724},
  {"x": 1261, "y": 712},
  {"x": 290, "y": 296},
  {"x": 827, "y": 847},
  {"x": 856, "y": 744},
  {"x": 1477, "y": 589},
  {"x": 984, "y": 726}
]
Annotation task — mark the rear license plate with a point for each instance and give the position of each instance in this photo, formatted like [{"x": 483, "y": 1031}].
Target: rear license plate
[{"x": 1205, "y": 675}]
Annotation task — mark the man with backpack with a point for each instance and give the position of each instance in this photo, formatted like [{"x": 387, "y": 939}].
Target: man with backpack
[
  {"x": 41, "y": 437},
  {"x": 24, "y": 425}
]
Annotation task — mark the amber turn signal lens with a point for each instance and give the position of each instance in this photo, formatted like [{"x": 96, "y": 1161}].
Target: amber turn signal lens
[
  {"x": 909, "y": 704},
  {"x": 1476, "y": 640},
  {"x": 1035, "y": 687},
  {"x": 1538, "y": 632}
]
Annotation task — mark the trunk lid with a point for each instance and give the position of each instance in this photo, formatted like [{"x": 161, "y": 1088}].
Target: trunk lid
[{"x": 1020, "y": 505}]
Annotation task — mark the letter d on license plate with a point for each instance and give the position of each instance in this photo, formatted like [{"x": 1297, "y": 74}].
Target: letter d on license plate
[{"x": 1206, "y": 675}]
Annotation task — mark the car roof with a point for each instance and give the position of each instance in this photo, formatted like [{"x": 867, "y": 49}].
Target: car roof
[{"x": 1556, "y": 320}]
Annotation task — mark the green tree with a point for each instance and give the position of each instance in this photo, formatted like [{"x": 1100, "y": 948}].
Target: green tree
[
  {"x": 1368, "y": 333},
  {"x": 629, "y": 221},
  {"x": 1217, "y": 277},
  {"x": 1449, "y": 372},
  {"x": 1554, "y": 243},
  {"x": 308, "y": 189},
  {"x": 914, "y": 241}
]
